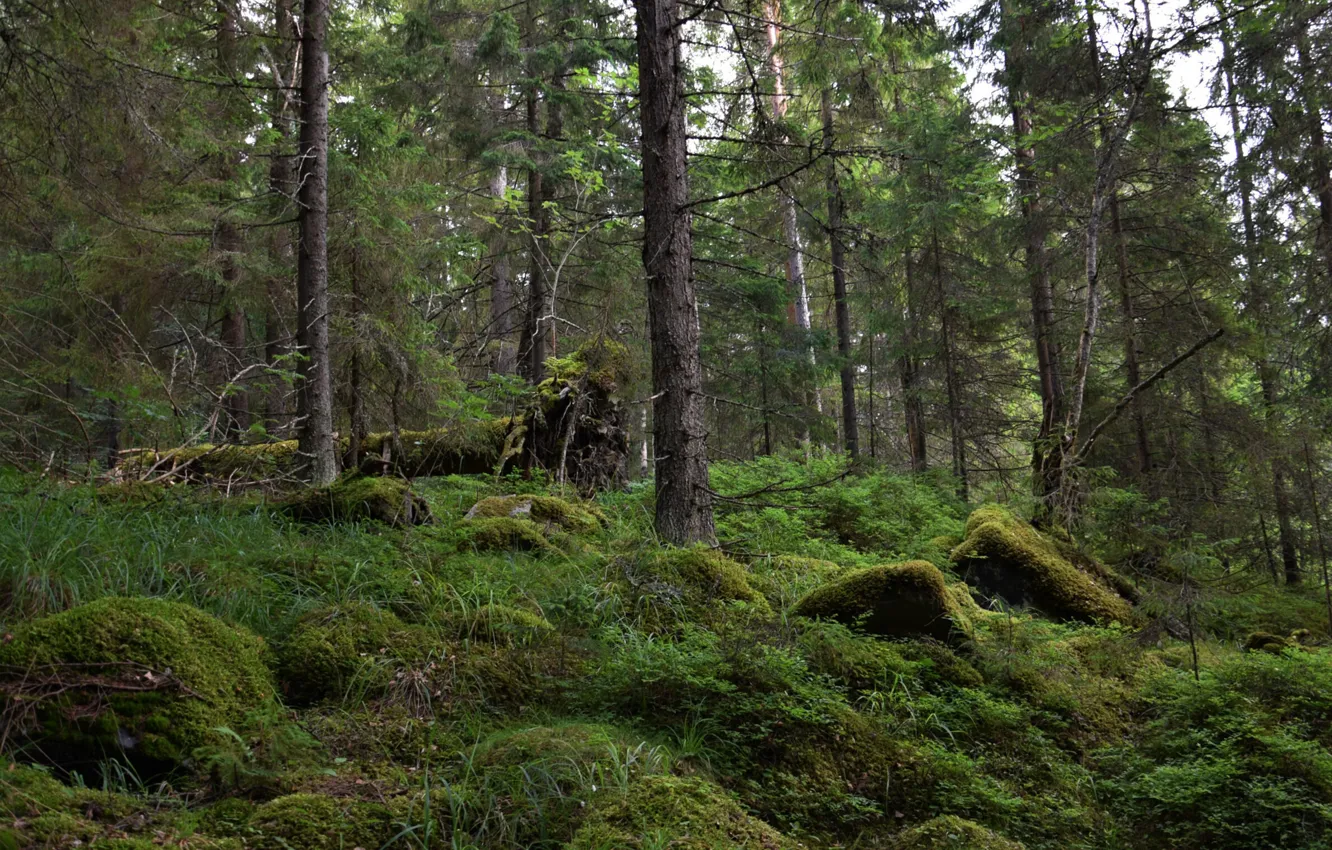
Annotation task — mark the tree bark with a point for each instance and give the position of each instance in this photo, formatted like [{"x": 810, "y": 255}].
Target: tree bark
[
  {"x": 1261, "y": 308},
  {"x": 684, "y": 499},
  {"x": 316, "y": 435},
  {"x": 912, "y": 408},
  {"x": 1131, "y": 351},
  {"x": 837, "y": 255},
  {"x": 227, "y": 243},
  {"x": 503, "y": 357},
  {"x": 952, "y": 380},
  {"x": 1046, "y": 457},
  {"x": 282, "y": 183}
]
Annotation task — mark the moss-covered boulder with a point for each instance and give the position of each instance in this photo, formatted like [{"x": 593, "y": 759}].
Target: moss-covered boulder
[
  {"x": 358, "y": 498},
  {"x": 546, "y": 511},
  {"x": 147, "y": 676},
  {"x": 692, "y": 576},
  {"x": 498, "y": 624},
  {"x": 1004, "y": 558},
  {"x": 894, "y": 600},
  {"x": 315, "y": 821},
  {"x": 1270, "y": 643},
  {"x": 503, "y": 534},
  {"x": 334, "y": 647},
  {"x": 950, "y": 832},
  {"x": 684, "y": 813}
]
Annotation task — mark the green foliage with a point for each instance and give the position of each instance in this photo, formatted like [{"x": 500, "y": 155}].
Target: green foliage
[
  {"x": 952, "y": 833},
  {"x": 360, "y": 498},
  {"x": 319, "y": 821}
]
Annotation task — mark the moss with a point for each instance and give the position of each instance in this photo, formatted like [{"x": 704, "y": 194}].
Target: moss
[
  {"x": 604, "y": 363},
  {"x": 1268, "y": 642},
  {"x": 500, "y": 624},
  {"x": 1008, "y": 559},
  {"x": 313, "y": 821},
  {"x": 358, "y": 497},
  {"x": 547, "y": 511},
  {"x": 694, "y": 576},
  {"x": 379, "y": 734},
  {"x": 680, "y": 812},
  {"x": 502, "y": 534},
  {"x": 147, "y": 675},
  {"x": 234, "y": 463},
  {"x": 895, "y": 600},
  {"x": 950, "y": 832},
  {"x": 466, "y": 448},
  {"x": 331, "y": 647},
  {"x": 133, "y": 492}
]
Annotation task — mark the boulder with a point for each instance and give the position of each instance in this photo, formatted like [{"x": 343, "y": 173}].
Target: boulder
[
  {"x": 893, "y": 600},
  {"x": 150, "y": 677},
  {"x": 1007, "y": 560}
]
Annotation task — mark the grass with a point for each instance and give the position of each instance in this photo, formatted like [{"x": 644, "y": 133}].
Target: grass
[{"x": 1060, "y": 736}]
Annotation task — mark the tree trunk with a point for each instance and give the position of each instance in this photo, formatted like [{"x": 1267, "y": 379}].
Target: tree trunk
[
  {"x": 1131, "y": 351},
  {"x": 1321, "y": 172},
  {"x": 798, "y": 313},
  {"x": 1261, "y": 308},
  {"x": 503, "y": 355},
  {"x": 837, "y": 255},
  {"x": 912, "y": 408},
  {"x": 1046, "y": 454},
  {"x": 952, "y": 380},
  {"x": 684, "y": 499},
  {"x": 227, "y": 243},
  {"x": 282, "y": 183},
  {"x": 316, "y": 435}
]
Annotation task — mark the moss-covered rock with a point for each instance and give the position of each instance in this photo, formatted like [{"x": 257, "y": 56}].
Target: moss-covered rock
[
  {"x": 679, "y": 812},
  {"x": 894, "y": 600},
  {"x": 315, "y": 821},
  {"x": 499, "y": 624},
  {"x": 567, "y": 515},
  {"x": 1005, "y": 558},
  {"x": 692, "y": 576},
  {"x": 332, "y": 647},
  {"x": 356, "y": 497},
  {"x": 785, "y": 578},
  {"x": 950, "y": 832},
  {"x": 502, "y": 534},
  {"x": 148, "y": 676},
  {"x": 1268, "y": 642}
]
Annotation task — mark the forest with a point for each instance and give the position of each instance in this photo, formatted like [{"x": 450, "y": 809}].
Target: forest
[{"x": 695, "y": 424}]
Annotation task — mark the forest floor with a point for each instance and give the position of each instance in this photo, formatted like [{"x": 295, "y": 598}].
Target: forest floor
[{"x": 187, "y": 670}]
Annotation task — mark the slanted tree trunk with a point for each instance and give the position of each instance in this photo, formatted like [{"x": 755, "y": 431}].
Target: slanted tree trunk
[
  {"x": 316, "y": 434},
  {"x": 837, "y": 255},
  {"x": 684, "y": 499}
]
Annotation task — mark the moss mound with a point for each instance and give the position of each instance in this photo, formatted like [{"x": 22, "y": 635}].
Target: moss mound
[
  {"x": 358, "y": 498},
  {"x": 313, "y": 821},
  {"x": 950, "y": 832},
  {"x": 502, "y": 534},
  {"x": 148, "y": 676},
  {"x": 788, "y": 577},
  {"x": 693, "y": 576},
  {"x": 500, "y": 624},
  {"x": 569, "y": 516},
  {"x": 332, "y": 647},
  {"x": 679, "y": 812},
  {"x": 1268, "y": 642},
  {"x": 1006, "y": 558},
  {"x": 895, "y": 600}
]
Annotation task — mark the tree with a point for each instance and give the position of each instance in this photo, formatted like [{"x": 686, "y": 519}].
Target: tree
[
  {"x": 684, "y": 500},
  {"x": 316, "y": 433}
]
